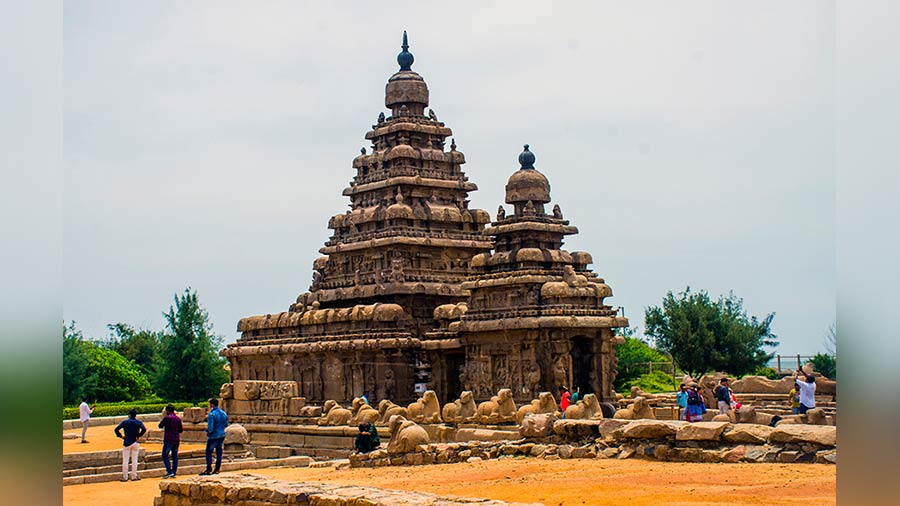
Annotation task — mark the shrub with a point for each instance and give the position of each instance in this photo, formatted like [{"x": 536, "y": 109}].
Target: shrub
[
  {"x": 655, "y": 382},
  {"x": 117, "y": 378},
  {"x": 768, "y": 372},
  {"x": 633, "y": 356},
  {"x": 122, "y": 408},
  {"x": 825, "y": 365}
]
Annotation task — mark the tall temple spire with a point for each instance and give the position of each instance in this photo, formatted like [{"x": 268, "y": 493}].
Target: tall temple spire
[{"x": 405, "y": 58}]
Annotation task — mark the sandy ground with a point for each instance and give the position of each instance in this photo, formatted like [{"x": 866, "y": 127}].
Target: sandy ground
[
  {"x": 103, "y": 437},
  {"x": 552, "y": 482}
]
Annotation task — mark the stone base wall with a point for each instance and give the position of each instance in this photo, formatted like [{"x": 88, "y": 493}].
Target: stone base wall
[
  {"x": 250, "y": 490},
  {"x": 673, "y": 441}
]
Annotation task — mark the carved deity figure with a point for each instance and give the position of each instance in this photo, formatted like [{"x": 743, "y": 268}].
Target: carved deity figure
[
  {"x": 557, "y": 212},
  {"x": 501, "y": 213},
  {"x": 533, "y": 379},
  {"x": 390, "y": 384},
  {"x": 559, "y": 372},
  {"x": 528, "y": 210},
  {"x": 397, "y": 275}
]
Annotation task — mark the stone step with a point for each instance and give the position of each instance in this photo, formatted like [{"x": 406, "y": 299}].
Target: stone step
[
  {"x": 237, "y": 465},
  {"x": 142, "y": 465},
  {"x": 336, "y": 463}
]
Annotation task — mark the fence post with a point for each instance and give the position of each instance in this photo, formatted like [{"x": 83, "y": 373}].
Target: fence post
[
  {"x": 778, "y": 362},
  {"x": 651, "y": 368},
  {"x": 799, "y": 365}
]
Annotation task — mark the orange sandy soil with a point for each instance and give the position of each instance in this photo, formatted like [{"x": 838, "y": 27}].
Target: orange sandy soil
[
  {"x": 552, "y": 482},
  {"x": 103, "y": 438}
]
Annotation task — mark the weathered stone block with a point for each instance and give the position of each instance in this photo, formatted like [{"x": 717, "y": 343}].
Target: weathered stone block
[
  {"x": 822, "y": 435},
  {"x": 649, "y": 429},
  {"x": 701, "y": 431},
  {"x": 747, "y": 433}
]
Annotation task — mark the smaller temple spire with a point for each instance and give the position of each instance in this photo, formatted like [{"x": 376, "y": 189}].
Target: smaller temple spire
[
  {"x": 526, "y": 159},
  {"x": 405, "y": 58}
]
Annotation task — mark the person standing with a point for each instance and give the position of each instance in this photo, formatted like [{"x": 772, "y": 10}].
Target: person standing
[
  {"x": 216, "y": 422},
  {"x": 565, "y": 400},
  {"x": 807, "y": 391},
  {"x": 172, "y": 429},
  {"x": 696, "y": 407},
  {"x": 794, "y": 397},
  {"x": 133, "y": 429},
  {"x": 723, "y": 396},
  {"x": 681, "y": 399},
  {"x": 84, "y": 412}
]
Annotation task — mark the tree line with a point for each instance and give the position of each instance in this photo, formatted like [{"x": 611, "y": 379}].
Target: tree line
[{"x": 181, "y": 362}]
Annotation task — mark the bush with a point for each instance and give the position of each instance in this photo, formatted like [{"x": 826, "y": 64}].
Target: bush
[
  {"x": 117, "y": 378},
  {"x": 826, "y": 365},
  {"x": 768, "y": 372},
  {"x": 655, "y": 382},
  {"x": 122, "y": 408},
  {"x": 633, "y": 356}
]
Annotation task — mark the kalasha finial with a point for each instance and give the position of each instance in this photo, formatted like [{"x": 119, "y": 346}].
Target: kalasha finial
[
  {"x": 405, "y": 58},
  {"x": 526, "y": 159},
  {"x": 453, "y": 144}
]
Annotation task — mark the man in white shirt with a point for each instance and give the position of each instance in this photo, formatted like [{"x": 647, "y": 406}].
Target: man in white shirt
[
  {"x": 85, "y": 416},
  {"x": 807, "y": 391}
]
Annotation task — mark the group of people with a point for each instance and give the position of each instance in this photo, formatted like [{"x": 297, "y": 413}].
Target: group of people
[
  {"x": 131, "y": 430},
  {"x": 567, "y": 398},
  {"x": 693, "y": 406}
]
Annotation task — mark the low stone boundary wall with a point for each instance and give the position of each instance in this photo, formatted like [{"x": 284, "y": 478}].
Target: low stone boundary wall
[
  {"x": 110, "y": 420},
  {"x": 675, "y": 441},
  {"x": 250, "y": 490}
]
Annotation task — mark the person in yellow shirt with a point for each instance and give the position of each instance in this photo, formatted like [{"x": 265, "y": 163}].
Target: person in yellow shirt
[{"x": 795, "y": 399}]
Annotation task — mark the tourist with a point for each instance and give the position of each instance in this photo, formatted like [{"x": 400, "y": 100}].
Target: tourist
[
  {"x": 133, "y": 429},
  {"x": 367, "y": 439},
  {"x": 807, "y": 391},
  {"x": 575, "y": 396},
  {"x": 696, "y": 407},
  {"x": 172, "y": 429},
  {"x": 723, "y": 396},
  {"x": 681, "y": 400},
  {"x": 794, "y": 397},
  {"x": 216, "y": 421},
  {"x": 84, "y": 412},
  {"x": 565, "y": 400}
]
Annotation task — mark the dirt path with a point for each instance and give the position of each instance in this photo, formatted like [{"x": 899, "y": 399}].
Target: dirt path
[
  {"x": 103, "y": 438},
  {"x": 552, "y": 482}
]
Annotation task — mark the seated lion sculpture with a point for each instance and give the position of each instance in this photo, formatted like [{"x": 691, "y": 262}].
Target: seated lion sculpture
[
  {"x": 425, "y": 410},
  {"x": 638, "y": 410},
  {"x": 748, "y": 414},
  {"x": 501, "y": 408},
  {"x": 461, "y": 410},
  {"x": 334, "y": 414},
  {"x": 545, "y": 403},
  {"x": 405, "y": 435},
  {"x": 586, "y": 409}
]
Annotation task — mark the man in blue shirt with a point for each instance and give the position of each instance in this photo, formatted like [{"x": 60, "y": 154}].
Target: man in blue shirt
[
  {"x": 133, "y": 429},
  {"x": 216, "y": 422}
]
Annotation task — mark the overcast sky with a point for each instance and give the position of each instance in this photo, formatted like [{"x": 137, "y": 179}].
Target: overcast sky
[{"x": 207, "y": 143}]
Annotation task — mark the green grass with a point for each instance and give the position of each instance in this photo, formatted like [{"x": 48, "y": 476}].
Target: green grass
[
  {"x": 655, "y": 382},
  {"x": 122, "y": 408}
]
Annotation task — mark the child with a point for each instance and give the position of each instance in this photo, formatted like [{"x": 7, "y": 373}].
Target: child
[
  {"x": 696, "y": 407},
  {"x": 794, "y": 397}
]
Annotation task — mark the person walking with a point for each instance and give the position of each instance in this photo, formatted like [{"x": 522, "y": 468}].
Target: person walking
[
  {"x": 172, "y": 429},
  {"x": 216, "y": 422},
  {"x": 807, "y": 391},
  {"x": 84, "y": 414},
  {"x": 133, "y": 429},
  {"x": 794, "y": 397},
  {"x": 723, "y": 396},
  {"x": 681, "y": 400}
]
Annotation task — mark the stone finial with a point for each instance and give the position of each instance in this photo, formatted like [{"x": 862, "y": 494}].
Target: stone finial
[
  {"x": 380, "y": 118},
  {"x": 431, "y": 115},
  {"x": 405, "y": 58},
  {"x": 452, "y": 144},
  {"x": 557, "y": 212},
  {"x": 501, "y": 213},
  {"x": 526, "y": 158},
  {"x": 362, "y": 150}
]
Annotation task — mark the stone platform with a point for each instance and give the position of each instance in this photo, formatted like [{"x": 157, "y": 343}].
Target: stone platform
[{"x": 250, "y": 490}]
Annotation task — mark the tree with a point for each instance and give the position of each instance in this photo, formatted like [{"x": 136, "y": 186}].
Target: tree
[
  {"x": 190, "y": 367},
  {"x": 116, "y": 377},
  {"x": 825, "y": 365},
  {"x": 702, "y": 335},
  {"x": 76, "y": 356},
  {"x": 141, "y": 346}
]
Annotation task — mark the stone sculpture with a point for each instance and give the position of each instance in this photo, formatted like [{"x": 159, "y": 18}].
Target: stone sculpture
[
  {"x": 636, "y": 392},
  {"x": 362, "y": 412},
  {"x": 333, "y": 414},
  {"x": 500, "y": 409},
  {"x": 545, "y": 403},
  {"x": 461, "y": 410},
  {"x": 587, "y": 409},
  {"x": 406, "y": 435},
  {"x": 390, "y": 410},
  {"x": 425, "y": 410},
  {"x": 638, "y": 410}
]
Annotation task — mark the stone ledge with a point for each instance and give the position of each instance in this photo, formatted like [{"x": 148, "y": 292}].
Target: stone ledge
[{"x": 259, "y": 491}]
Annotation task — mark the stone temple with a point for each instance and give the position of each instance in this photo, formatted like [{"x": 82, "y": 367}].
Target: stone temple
[{"x": 417, "y": 291}]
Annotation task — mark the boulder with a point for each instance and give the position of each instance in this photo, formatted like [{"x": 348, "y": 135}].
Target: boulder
[
  {"x": 734, "y": 455},
  {"x": 823, "y": 435},
  {"x": 537, "y": 425},
  {"x": 649, "y": 429},
  {"x": 747, "y": 433},
  {"x": 577, "y": 428},
  {"x": 701, "y": 431},
  {"x": 236, "y": 434}
]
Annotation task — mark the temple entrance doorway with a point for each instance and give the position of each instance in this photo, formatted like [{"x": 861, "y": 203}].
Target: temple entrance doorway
[
  {"x": 454, "y": 362},
  {"x": 582, "y": 364}
]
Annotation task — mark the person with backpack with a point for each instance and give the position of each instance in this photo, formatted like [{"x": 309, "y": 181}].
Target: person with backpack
[
  {"x": 723, "y": 396},
  {"x": 367, "y": 439},
  {"x": 696, "y": 407}
]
